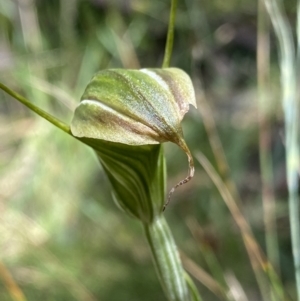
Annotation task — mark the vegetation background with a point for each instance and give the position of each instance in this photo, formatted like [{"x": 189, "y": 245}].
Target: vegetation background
[{"x": 61, "y": 235}]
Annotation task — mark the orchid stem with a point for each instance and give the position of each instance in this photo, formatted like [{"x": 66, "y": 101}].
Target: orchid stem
[{"x": 170, "y": 37}]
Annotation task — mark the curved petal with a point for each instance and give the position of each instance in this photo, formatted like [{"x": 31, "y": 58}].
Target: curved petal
[{"x": 134, "y": 107}]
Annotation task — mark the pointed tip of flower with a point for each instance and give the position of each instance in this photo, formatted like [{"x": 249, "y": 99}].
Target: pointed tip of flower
[{"x": 190, "y": 175}]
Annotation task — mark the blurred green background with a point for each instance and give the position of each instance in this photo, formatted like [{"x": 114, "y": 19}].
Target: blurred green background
[{"x": 61, "y": 235}]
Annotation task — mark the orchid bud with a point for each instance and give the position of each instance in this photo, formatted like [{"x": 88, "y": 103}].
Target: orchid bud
[{"x": 127, "y": 109}]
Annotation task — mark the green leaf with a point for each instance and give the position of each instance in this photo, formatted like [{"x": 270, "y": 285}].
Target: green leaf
[{"x": 137, "y": 175}]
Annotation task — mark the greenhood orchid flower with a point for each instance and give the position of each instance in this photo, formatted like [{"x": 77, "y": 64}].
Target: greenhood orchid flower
[{"x": 130, "y": 112}]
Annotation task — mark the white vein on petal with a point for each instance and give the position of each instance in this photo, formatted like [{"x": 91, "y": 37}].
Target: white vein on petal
[
  {"x": 97, "y": 103},
  {"x": 92, "y": 133},
  {"x": 156, "y": 77}
]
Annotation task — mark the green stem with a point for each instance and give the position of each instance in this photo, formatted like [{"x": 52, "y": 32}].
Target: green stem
[
  {"x": 166, "y": 260},
  {"x": 268, "y": 197},
  {"x": 58, "y": 123},
  {"x": 291, "y": 117},
  {"x": 170, "y": 37}
]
